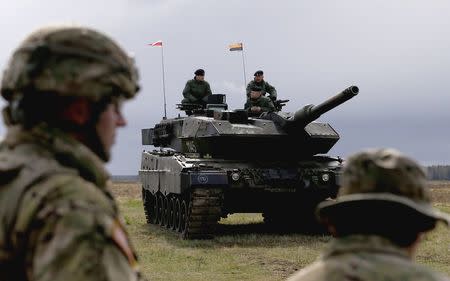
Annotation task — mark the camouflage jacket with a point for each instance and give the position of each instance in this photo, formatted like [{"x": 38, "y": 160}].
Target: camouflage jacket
[
  {"x": 59, "y": 220},
  {"x": 365, "y": 258},
  {"x": 263, "y": 102},
  {"x": 265, "y": 88},
  {"x": 195, "y": 91}
]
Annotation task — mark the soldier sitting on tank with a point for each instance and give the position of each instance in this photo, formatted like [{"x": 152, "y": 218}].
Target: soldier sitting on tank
[
  {"x": 257, "y": 103},
  {"x": 197, "y": 90},
  {"x": 264, "y": 85}
]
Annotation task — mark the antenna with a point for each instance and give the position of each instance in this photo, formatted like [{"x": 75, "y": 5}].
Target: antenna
[{"x": 164, "y": 83}]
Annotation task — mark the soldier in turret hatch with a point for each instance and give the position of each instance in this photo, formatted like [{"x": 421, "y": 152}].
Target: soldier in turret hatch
[
  {"x": 257, "y": 103},
  {"x": 264, "y": 85},
  {"x": 197, "y": 90}
]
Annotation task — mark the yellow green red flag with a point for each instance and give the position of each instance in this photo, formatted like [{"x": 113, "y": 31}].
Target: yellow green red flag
[{"x": 236, "y": 47}]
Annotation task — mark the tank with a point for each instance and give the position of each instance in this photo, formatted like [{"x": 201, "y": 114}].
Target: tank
[{"x": 215, "y": 162}]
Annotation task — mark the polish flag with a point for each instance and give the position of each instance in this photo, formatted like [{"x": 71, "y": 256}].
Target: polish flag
[{"x": 156, "y": 44}]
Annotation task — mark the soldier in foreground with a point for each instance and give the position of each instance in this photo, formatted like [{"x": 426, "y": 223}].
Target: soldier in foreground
[
  {"x": 264, "y": 85},
  {"x": 257, "y": 103},
  {"x": 197, "y": 90},
  {"x": 64, "y": 88},
  {"x": 378, "y": 219}
]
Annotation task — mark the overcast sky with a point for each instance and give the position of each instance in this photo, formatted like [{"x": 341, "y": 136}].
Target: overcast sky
[{"x": 396, "y": 52}]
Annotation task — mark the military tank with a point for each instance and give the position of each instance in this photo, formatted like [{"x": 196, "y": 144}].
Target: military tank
[{"x": 216, "y": 162}]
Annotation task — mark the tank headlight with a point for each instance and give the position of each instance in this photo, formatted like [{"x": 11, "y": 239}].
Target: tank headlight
[
  {"x": 235, "y": 176},
  {"x": 325, "y": 177}
]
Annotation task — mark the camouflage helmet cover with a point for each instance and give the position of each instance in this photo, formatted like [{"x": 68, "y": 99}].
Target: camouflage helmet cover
[
  {"x": 70, "y": 61},
  {"x": 383, "y": 175}
]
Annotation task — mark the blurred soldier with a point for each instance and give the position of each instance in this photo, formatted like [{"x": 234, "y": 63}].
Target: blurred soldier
[
  {"x": 378, "y": 219},
  {"x": 197, "y": 90},
  {"x": 64, "y": 88},
  {"x": 257, "y": 103},
  {"x": 265, "y": 86}
]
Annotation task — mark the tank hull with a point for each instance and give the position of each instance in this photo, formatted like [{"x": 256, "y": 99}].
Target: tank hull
[{"x": 286, "y": 192}]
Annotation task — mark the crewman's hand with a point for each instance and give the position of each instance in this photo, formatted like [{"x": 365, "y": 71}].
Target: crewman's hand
[{"x": 256, "y": 109}]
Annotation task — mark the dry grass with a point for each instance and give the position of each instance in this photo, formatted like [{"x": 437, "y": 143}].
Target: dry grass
[{"x": 240, "y": 251}]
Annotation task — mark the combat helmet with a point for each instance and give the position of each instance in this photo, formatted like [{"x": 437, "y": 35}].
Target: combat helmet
[
  {"x": 69, "y": 62},
  {"x": 381, "y": 183}
]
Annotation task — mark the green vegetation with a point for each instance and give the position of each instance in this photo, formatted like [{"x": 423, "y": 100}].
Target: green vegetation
[{"x": 241, "y": 252}]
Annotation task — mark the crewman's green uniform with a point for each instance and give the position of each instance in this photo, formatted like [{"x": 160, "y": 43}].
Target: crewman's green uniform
[
  {"x": 264, "y": 103},
  {"x": 265, "y": 88},
  {"x": 196, "y": 92},
  {"x": 59, "y": 219}
]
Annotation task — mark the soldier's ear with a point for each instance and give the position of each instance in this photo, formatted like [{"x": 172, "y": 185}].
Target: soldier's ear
[{"x": 78, "y": 112}]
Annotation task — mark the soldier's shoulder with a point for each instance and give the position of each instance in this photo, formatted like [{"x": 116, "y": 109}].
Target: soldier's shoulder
[
  {"x": 419, "y": 272},
  {"x": 315, "y": 271},
  {"x": 59, "y": 188}
]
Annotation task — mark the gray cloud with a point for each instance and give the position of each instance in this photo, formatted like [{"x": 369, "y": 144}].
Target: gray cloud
[{"x": 395, "y": 51}]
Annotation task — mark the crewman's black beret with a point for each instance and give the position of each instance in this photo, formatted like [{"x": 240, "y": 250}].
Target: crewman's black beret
[
  {"x": 199, "y": 72},
  {"x": 259, "y": 73}
]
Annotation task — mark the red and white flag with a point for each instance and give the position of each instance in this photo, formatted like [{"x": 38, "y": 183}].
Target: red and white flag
[{"x": 156, "y": 44}]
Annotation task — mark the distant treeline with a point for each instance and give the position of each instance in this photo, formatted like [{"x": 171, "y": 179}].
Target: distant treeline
[{"x": 438, "y": 172}]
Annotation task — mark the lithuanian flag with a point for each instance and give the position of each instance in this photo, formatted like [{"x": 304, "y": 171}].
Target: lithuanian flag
[{"x": 236, "y": 47}]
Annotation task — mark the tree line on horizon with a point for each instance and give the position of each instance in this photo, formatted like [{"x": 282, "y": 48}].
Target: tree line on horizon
[{"x": 438, "y": 172}]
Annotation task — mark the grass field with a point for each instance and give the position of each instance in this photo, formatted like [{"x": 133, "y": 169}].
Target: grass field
[{"x": 241, "y": 252}]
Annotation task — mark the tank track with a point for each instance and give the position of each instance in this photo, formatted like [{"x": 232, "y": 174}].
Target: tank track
[{"x": 193, "y": 216}]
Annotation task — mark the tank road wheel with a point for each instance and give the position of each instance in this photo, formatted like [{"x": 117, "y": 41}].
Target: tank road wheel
[
  {"x": 157, "y": 208},
  {"x": 160, "y": 208},
  {"x": 169, "y": 214},
  {"x": 148, "y": 200},
  {"x": 162, "y": 200},
  {"x": 176, "y": 213},
  {"x": 182, "y": 225}
]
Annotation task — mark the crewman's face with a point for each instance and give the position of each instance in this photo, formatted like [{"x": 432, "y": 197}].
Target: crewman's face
[
  {"x": 109, "y": 120},
  {"x": 255, "y": 95},
  {"x": 200, "y": 78},
  {"x": 259, "y": 78}
]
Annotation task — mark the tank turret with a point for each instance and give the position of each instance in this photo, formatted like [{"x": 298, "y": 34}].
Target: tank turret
[
  {"x": 309, "y": 113},
  {"x": 216, "y": 161}
]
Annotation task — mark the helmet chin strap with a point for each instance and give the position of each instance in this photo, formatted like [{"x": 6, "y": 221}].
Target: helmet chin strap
[
  {"x": 94, "y": 142},
  {"x": 90, "y": 133}
]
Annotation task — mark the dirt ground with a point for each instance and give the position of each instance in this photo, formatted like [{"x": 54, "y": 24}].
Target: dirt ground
[
  {"x": 242, "y": 250},
  {"x": 131, "y": 190}
]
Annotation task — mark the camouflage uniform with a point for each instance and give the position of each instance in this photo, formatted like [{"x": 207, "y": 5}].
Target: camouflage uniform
[
  {"x": 365, "y": 258},
  {"x": 263, "y": 102},
  {"x": 196, "y": 92},
  {"x": 385, "y": 189},
  {"x": 265, "y": 88},
  {"x": 59, "y": 219}
]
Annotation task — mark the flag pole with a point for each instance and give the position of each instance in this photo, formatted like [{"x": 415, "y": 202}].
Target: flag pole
[
  {"x": 164, "y": 82},
  {"x": 243, "y": 66}
]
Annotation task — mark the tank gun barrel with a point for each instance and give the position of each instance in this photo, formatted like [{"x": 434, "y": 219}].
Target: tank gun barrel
[{"x": 311, "y": 112}]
